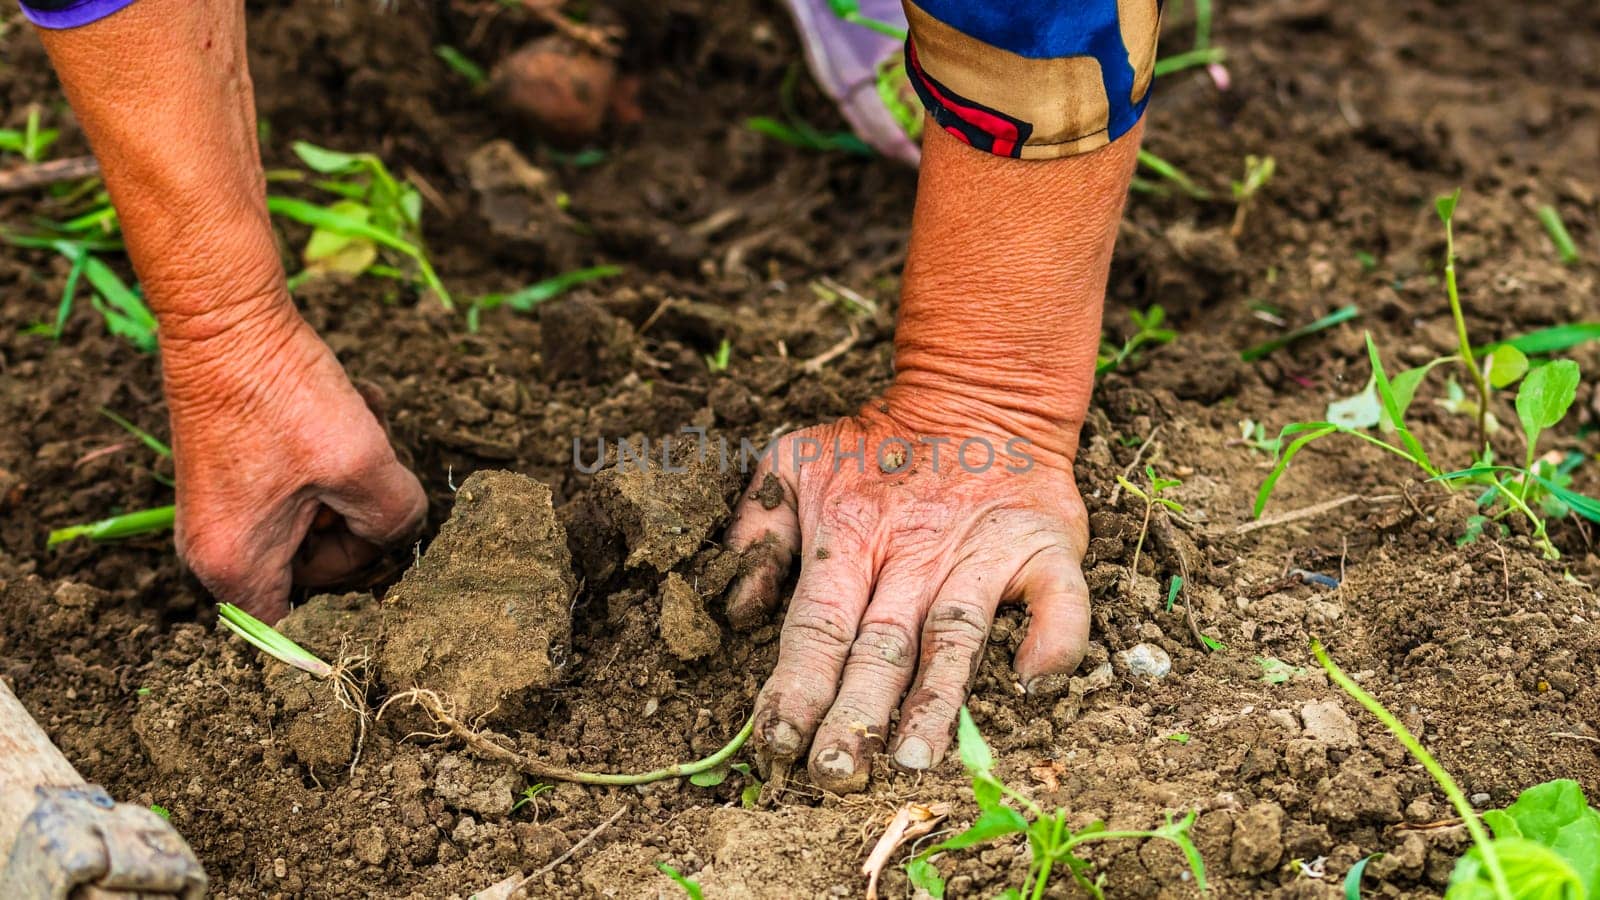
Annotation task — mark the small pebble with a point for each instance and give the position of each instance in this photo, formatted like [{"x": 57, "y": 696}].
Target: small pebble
[
  {"x": 1147, "y": 660},
  {"x": 1480, "y": 799}
]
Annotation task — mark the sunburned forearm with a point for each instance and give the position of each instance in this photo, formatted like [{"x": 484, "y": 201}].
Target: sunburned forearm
[
  {"x": 1004, "y": 282},
  {"x": 163, "y": 91}
]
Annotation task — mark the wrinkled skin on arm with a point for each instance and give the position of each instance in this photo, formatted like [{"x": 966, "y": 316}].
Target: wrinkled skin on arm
[
  {"x": 267, "y": 430},
  {"x": 901, "y": 571}
]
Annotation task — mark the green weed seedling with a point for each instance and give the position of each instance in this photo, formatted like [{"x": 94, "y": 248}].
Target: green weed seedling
[
  {"x": 1267, "y": 348},
  {"x": 1202, "y": 53},
  {"x": 525, "y": 299},
  {"x": 31, "y": 141},
  {"x": 797, "y": 132},
  {"x": 1148, "y": 330},
  {"x": 1151, "y": 495},
  {"x": 690, "y": 887},
  {"x": 530, "y": 798},
  {"x": 1258, "y": 171},
  {"x": 1559, "y": 236},
  {"x": 1547, "y": 391},
  {"x": 376, "y": 213},
  {"x": 461, "y": 65},
  {"x": 116, "y": 528},
  {"x": 1052, "y": 842},
  {"x": 718, "y": 362},
  {"x": 1546, "y": 844},
  {"x": 1169, "y": 173},
  {"x": 122, "y": 307}
]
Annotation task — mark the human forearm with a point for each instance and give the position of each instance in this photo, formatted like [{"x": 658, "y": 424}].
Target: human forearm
[
  {"x": 163, "y": 92},
  {"x": 1004, "y": 282}
]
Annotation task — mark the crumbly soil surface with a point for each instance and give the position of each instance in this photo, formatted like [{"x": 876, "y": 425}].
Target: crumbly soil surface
[{"x": 1370, "y": 109}]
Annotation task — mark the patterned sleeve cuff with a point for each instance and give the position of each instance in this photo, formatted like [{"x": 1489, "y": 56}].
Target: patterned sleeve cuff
[
  {"x": 1036, "y": 80},
  {"x": 58, "y": 14}
]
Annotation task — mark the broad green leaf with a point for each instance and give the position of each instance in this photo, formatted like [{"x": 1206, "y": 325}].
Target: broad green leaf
[
  {"x": 1546, "y": 395},
  {"x": 1556, "y": 815},
  {"x": 1446, "y": 206},
  {"x": 1362, "y": 410},
  {"x": 709, "y": 778},
  {"x": 1534, "y": 871},
  {"x": 991, "y": 823},
  {"x": 924, "y": 876},
  {"x": 1506, "y": 365},
  {"x": 975, "y": 754},
  {"x": 1405, "y": 386},
  {"x": 329, "y": 162}
]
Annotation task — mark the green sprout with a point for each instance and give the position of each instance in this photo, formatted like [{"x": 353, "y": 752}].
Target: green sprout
[
  {"x": 525, "y": 299},
  {"x": 717, "y": 363},
  {"x": 1258, "y": 171},
  {"x": 1276, "y": 671},
  {"x": 1156, "y": 486},
  {"x": 461, "y": 65},
  {"x": 1051, "y": 841},
  {"x": 530, "y": 798},
  {"x": 691, "y": 888},
  {"x": 376, "y": 212},
  {"x": 347, "y": 691},
  {"x": 1446, "y": 208},
  {"x": 161, "y": 811},
  {"x": 1559, "y": 236},
  {"x": 1267, "y": 348},
  {"x": 32, "y": 141},
  {"x": 122, "y": 307},
  {"x": 127, "y": 525},
  {"x": 145, "y": 437},
  {"x": 1170, "y": 173},
  {"x": 272, "y": 642},
  {"x": 850, "y": 11},
  {"x": 1202, "y": 53},
  {"x": 796, "y": 132},
  {"x": 1147, "y": 331}
]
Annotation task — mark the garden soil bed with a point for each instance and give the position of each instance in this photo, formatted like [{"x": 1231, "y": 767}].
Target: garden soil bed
[{"x": 1369, "y": 108}]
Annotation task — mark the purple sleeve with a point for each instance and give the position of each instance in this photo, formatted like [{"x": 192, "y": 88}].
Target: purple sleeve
[{"x": 69, "y": 13}]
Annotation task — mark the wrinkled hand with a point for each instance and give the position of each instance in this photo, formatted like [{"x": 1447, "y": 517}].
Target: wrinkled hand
[
  {"x": 900, "y": 576},
  {"x": 268, "y": 435}
]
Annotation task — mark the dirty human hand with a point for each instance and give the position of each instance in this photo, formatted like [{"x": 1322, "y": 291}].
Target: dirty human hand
[
  {"x": 903, "y": 559},
  {"x": 267, "y": 429}
]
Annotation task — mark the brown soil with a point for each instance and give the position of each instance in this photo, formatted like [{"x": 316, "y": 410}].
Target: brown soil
[{"x": 1370, "y": 109}]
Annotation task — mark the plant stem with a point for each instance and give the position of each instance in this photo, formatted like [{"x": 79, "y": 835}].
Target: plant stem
[
  {"x": 1469, "y": 817},
  {"x": 1461, "y": 333},
  {"x": 481, "y": 744},
  {"x": 1539, "y": 534},
  {"x": 1049, "y": 859}
]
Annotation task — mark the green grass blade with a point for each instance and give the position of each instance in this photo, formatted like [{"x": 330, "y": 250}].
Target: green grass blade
[
  {"x": 461, "y": 65},
  {"x": 1266, "y": 348},
  {"x": 1189, "y": 59},
  {"x": 68, "y": 294},
  {"x": 321, "y": 217},
  {"x": 1557, "y": 229},
  {"x": 1313, "y": 431},
  {"x": 134, "y": 524},
  {"x": 146, "y": 437},
  {"x": 1173, "y": 174},
  {"x": 1352, "y": 878},
  {"x": 1548, "y": 340},
  {"x": 271, "y": 642},
  {"x": 1391, "y": 405}
]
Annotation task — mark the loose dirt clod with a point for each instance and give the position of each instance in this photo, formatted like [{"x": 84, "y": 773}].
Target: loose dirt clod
[
  {"x": 686, "y": 627},
  {"x": 484, "y": 617},
  {"x": 561, "y": 88}
]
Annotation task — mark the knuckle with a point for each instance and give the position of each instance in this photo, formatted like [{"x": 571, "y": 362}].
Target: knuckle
[
  {"x": 958, "y": 624},
  {"x": 819, "y": 626},
  {"x": 884, "y": 643}
]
